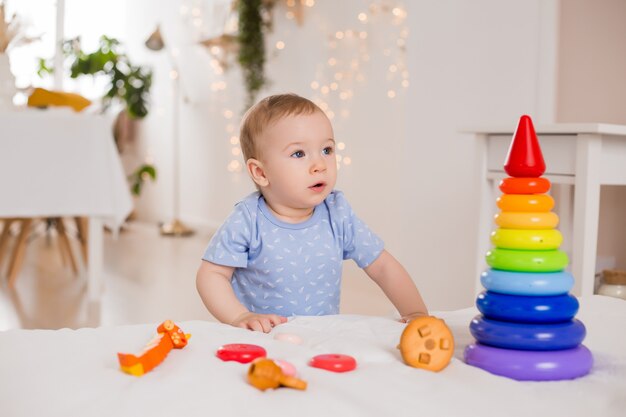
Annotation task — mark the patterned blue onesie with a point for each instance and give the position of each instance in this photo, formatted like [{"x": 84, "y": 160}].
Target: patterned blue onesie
[{"x": 291, "y": 269}]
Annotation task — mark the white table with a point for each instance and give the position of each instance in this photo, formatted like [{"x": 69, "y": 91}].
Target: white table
[
  {"x": 57, "y": 163},
  {"x": 583, "y": 155}
]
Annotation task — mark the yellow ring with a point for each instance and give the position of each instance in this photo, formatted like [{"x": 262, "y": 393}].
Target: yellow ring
[
  {"x": 527, "y": 220},
  {"x": 525, "y": 202},
  {"x": 546, "y": 239}
]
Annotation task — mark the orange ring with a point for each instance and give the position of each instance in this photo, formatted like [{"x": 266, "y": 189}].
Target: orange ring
[
  {"x": 525, "y": 202},
  {"x": 526, "y": 185},
  {"x": 528, "y": 220}
]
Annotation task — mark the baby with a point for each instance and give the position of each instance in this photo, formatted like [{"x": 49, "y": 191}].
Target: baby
[{"x": 280, "y": 251}]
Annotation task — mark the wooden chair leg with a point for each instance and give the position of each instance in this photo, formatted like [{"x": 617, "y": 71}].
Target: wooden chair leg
[
  {"x": 4, "y": 237},
  {"x": 65, "y": 244},
  {"x": 62, "y": 249},
  {"x": 19, "y": 251},
  {"x": 82, "y": 224}
]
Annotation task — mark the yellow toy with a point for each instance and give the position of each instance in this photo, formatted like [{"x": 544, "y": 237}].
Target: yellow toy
[
  {"x": 169, "y": 337},
  {"x": 45, "y": 98}
]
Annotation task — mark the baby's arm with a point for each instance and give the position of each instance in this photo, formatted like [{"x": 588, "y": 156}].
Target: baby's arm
[
  {"x": 396, "y": 283},
  {"x": 213, "y": 283}
]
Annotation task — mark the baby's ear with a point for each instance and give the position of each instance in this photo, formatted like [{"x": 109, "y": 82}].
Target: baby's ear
[{"x": 257, "y": 173}]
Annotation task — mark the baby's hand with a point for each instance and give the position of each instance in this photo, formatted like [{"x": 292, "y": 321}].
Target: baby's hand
[
  {"x": 259, "y": 322},
  {"x": 409, "y": 317}
]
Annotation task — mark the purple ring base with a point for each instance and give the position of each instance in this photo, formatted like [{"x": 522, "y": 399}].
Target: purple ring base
[{"x": 527, "y": 365}]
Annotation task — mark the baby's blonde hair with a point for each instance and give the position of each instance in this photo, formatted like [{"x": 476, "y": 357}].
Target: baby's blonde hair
[{"x": 266, "y": 112}]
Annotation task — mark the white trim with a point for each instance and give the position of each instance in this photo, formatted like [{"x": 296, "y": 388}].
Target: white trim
[
  {"x": 560, "y": 128},
  {"x": 547, "y": 61},
  {"x": 58, "y": 45}
]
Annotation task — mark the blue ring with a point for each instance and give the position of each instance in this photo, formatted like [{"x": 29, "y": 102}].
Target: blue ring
[
  {"x": 527, "y": 309},
  {"x": 527, "y": 283},
  {"x": 527, "y": 365},
  {"x": 525, "y": 336}
]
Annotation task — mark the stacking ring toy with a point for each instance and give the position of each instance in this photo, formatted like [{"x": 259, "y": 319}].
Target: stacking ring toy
[
  {"x": 291, "y": 338},
  {"x": 525, "y": 202},
  {"x": 333, "y": 362},
  {"x": 527, "y": 283},
  {"x": 525, "y": 309},
  {"x": 532, "y": 185},
  {"x": 528, "y": 365},
  {"x": 528, "y": 336},
  {"x": 526, "y": 239},
  {"x": 427, "y": 343},
  {"x": 526, "y": 220},
  {"x": 240, "y": 352},
  {"x": 527, "y": 260}
]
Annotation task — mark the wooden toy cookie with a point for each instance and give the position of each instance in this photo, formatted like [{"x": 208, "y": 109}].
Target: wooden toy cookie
[
  {"x": 427, "y": 343},
  {"x": 265, "y": 373}
]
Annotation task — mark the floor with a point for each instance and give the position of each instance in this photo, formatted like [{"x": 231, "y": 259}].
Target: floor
[{"x": 148, "y": 278}]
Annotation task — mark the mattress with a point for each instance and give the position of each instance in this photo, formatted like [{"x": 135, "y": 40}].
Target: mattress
[{"x": 76, "y": 372}]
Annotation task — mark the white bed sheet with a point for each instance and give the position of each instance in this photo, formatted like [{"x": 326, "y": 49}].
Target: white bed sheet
[{"x": 75, "y": 373}]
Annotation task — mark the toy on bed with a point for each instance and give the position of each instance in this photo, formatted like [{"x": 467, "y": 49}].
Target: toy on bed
[
  {"x": 527, "y": 330},
  {"x": 333, "y": 362},
  {"x": 240, "y": 352},
  {"x": 427, "y": 343},
  {"x": 265, "y": 373},
  {"x": 169, "y": 336}
]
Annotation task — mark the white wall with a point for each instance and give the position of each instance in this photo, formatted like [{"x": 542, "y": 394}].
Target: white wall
[
  {"x": 592, "y": 88},
  {"x": 470, "y": 63},
  {"x": 475, "y": 64}
]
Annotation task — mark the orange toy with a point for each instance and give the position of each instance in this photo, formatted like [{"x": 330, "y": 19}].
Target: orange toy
[
  {"x": 264, "y": 373},
  {"x": 537, "y": 203},
  {"x": 427, "y": 343},
  {"x": 169, "y": 337}
]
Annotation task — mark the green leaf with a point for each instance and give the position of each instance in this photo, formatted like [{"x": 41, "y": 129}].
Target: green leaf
[{"x": 128, "y": 83}]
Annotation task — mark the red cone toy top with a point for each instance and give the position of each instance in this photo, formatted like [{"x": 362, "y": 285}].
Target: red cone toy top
[{"x": 524, "y": 158}]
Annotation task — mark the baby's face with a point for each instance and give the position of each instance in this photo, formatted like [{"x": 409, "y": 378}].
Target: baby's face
[{"x": 298, "y": 155}]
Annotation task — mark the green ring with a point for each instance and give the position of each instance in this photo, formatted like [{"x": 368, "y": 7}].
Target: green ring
[{"x": 527, "y": 260}]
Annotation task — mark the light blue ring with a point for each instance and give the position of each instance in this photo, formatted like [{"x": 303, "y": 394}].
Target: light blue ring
[{"x": 527, "y": 283}]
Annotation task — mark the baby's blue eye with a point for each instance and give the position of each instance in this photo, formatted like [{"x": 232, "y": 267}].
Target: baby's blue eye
[
  {"x": 328, "y": 150},
  {"x": 298, "y": 154}
]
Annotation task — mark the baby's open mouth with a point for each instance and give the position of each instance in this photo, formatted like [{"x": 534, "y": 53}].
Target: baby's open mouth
[{"x": 318, "y": 187}]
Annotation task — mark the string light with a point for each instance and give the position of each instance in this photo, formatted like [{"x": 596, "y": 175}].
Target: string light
[{"x": 338, "y": 79}]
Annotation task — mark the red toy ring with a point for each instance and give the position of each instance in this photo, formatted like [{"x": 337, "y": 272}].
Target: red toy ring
[
  {"x": 240, "y": 352},
  {"x": 333, "y": 362},
  {"x": 524, "y": 185}
]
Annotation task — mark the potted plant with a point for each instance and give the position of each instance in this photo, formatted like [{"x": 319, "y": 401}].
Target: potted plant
[
  {"x": 128, "y": 84},
  {"x": 254, "y": 18}
]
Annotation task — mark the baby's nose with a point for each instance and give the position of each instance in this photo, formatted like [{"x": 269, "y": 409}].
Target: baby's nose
[{"x": 318, "y": 165}]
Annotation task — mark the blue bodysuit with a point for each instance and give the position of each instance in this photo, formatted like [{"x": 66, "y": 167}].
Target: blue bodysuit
[{"x": 291, "y": 269}]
